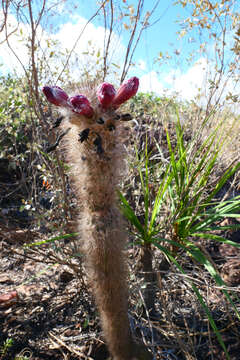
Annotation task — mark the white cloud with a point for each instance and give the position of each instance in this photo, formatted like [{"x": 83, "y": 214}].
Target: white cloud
[
  {"x": 195, "y": 83},
  {"x": 8, "y": 61},
  {"x": 185, "y": 84},
  {"x": 141, "y": 65},
  {"x": 91, "y": 42},
  {"x": 192, "y": 84},
  {"x": 85, "y": 52},
  {"x": 150, "y": 83},
  {"x": 188, "y": 84}
]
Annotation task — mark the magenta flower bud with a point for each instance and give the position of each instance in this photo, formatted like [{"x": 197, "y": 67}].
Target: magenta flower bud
[
  {"x": 81, "y": 105},
  {"x": 55, "y": 95},
  {"x": 127, "y": 90},
  {"x": 106, "y": 94}
]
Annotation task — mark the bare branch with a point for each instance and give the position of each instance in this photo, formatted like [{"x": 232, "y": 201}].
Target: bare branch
[
  {"x": 80, "y": 35},
  {"x": 145, "y": 25},
  {"x": 5, "y": 13},
  {"x": 139, "y": 8},
  {"x": 5, "y": 6},
  {"x": 106, "y": 49},
  {"x": 14, "y": 53},
  {"x": 35, "y": 89}
]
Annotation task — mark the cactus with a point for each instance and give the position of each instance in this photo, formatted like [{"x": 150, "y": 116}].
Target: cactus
[{"x": 94, "y": 147}]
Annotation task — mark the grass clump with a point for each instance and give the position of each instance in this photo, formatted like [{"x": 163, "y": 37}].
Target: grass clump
[{"x": 177, "y": 207}]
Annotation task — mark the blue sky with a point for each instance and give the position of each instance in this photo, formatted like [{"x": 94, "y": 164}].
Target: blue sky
[
  {"x": 159, "y": 37},
  {"x": 67, "y": 21}
]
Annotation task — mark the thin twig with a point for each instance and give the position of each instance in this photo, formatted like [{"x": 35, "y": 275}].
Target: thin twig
[
  {"x": 106, "y": 50},
  {"x": 137, "y": 17},
  {"x": 80, "y": 35},
  {"x": 5, "y": 14},
  {"x": 69, "y": 348}
]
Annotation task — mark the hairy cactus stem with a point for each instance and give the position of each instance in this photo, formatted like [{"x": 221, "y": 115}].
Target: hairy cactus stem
[{"x": 94, "y": 147}]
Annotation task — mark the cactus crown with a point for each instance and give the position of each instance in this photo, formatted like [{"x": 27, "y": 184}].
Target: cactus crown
[
  {"x": 96, "y": 117},
  {"x": 95, "y": 137},
  {"x": 107, "y": 96}
]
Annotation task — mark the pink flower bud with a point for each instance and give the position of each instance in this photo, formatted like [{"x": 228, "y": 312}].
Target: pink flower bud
[
  {"x": 127, "y": 90},
  {"x": 55, "y": 95},
  {"x": 106, "y": 94},
  {"x": 81, "y": 105}
]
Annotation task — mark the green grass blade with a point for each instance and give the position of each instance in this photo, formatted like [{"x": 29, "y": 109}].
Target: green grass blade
[
  {"x": 200, "y": 298},
  {"x": 219, "y": 211},
  {"x": 173, "y": 160},
  {"x": 218, "y": 238},
  {"x": 197, "y": 254},
  {"x": 182, "y": 151},
  {"x": 211, "y": 320},
  {"x": 203, "y": 260},
  {"x": 128, "y": 212},
  {"x": 48, "y": 241},
  {"x": 167, "y": 179},
  {"x": 228, "y": 173}
]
